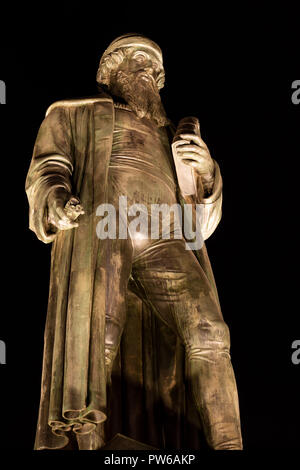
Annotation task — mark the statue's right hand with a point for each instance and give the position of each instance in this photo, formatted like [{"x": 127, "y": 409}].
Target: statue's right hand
[{"x": 63, "y": 209}]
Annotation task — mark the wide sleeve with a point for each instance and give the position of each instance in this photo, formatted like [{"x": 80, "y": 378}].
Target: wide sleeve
[
  {"x": 210, "y": 204},
  {"x": 51, "y": 167}
]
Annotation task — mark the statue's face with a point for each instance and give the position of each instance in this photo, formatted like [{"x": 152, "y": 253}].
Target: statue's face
[
  {"x": 135, "y": 82},
  {"x": 142, "y": 63}
]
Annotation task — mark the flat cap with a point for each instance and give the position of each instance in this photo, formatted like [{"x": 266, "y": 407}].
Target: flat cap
[{"x": 134, "y": 39}]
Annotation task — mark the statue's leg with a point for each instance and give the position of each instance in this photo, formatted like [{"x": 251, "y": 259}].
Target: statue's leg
[
  {"x": 115, "y": 315},
  {"x": 181, "y": 294}
]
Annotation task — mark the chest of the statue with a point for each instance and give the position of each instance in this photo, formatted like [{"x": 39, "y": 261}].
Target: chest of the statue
[
  {"x": 140, "y": 165},
  {"x": 140, "y": 138}
]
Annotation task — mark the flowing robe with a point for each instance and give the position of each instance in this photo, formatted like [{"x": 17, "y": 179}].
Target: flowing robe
[{"x": 72, "y": 151}]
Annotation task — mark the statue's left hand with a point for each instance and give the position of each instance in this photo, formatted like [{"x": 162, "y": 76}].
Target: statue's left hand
[{"x": 193, "y": 151}]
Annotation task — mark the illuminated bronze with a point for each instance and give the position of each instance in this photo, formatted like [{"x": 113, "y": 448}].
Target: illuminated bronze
[{"x": 136, "y": 311}]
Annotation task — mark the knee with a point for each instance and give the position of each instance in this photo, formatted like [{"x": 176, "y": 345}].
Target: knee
[
  {"x": 110, "y": 355},
  {"x": 213, "y": 337},
  {"x": 220, "y": 333}
]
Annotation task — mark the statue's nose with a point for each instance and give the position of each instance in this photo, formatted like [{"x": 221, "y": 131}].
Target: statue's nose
[{"x": 149, "y": 70}]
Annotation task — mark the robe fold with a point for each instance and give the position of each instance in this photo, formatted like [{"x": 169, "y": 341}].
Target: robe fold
[{"x": 149, "y": 400}]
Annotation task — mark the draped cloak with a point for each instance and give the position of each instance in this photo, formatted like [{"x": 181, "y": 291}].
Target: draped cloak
[{"x": 149, "y": 399}]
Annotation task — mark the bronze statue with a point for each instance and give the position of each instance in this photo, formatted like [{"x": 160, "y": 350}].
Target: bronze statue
[{"x": 142, "y": 307}]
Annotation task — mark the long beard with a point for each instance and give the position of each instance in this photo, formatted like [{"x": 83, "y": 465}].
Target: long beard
[{"x": 142, "y": 96}]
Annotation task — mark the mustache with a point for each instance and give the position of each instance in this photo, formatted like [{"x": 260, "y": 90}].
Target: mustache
[
  {"x": 143, "y": 77},
  {"x": 140, "y": 78}
]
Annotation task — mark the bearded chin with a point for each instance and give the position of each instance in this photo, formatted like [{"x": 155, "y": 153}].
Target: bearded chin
[{"x": 141, "y": 96}]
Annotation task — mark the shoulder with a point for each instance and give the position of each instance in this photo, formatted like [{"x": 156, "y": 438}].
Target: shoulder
[{"x": 77, "y": 102}]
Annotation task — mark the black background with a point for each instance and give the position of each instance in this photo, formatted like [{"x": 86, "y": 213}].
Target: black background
[{"x": 231, "y": 66}]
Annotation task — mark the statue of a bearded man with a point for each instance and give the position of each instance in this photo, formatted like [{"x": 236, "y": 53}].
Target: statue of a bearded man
[{"x": 131, "y": 304}]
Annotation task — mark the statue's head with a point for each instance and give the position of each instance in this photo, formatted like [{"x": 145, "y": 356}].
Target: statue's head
[{"x": 132, "y": 68}]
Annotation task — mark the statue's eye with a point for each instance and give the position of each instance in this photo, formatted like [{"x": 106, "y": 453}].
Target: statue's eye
[{"x": 140, "y": 57}]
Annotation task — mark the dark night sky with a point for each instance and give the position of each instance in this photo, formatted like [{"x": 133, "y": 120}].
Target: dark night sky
[{"x": 233, "y": 69}]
